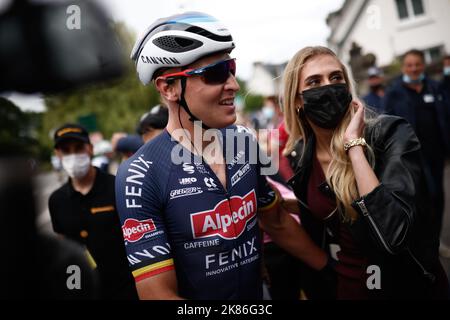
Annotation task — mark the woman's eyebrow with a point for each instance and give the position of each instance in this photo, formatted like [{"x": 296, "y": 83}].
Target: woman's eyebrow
[{"x": 336, "y": 72}]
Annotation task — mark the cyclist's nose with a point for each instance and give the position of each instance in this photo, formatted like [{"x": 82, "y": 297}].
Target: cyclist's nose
[{"x": 232, "y": 83}]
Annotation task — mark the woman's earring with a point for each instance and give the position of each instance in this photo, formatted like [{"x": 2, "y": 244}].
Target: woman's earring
[{"x": 298, "y": 110}]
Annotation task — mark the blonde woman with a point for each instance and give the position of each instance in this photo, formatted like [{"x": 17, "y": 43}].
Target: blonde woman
[{"x": 359, "y": 187}]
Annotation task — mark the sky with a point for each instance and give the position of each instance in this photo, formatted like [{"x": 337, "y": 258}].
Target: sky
[{"x": 269, "y": 31}]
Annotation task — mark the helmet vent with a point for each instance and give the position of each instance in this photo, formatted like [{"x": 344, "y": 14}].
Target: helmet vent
[{"x": 176, "y": 44}]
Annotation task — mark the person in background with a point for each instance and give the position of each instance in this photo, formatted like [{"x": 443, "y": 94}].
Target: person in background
[
  {"x": 418, "y": 99},
  {"x": 84, "y": 210},
  {"x": 445, "y": 82},
  {"x": 128, "y": 145},
  {"x": 102, "y": 155},
  {"x": 271, "y": 114},
  {"x": 444, "y": 250},
  {"x": 153, "y": 123},
  {"x": 375, "y": 81}
]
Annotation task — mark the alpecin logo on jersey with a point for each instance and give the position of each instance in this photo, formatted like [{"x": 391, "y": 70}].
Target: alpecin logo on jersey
[
  {"x": 133, "y": 230},
  {"x": 227, "y": 220}
]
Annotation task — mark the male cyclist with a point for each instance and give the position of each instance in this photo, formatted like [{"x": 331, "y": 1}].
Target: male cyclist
[{"x": 190, "y": 226}]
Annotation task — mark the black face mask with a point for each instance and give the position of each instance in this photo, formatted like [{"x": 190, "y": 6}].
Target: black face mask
[{"x": 325, "y": 106}]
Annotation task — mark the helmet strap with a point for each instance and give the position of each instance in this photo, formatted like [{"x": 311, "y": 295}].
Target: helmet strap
[{"x": 182, "y": 102}]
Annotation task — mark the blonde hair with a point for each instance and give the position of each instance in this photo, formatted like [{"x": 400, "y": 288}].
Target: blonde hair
[{"x": 340, "y": 175}]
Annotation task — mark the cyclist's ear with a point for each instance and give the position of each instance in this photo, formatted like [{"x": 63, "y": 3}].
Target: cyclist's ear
[{"x": 167, "y": 90}]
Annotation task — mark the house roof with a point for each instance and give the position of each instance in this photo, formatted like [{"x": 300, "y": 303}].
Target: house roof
[
  {"x": 274, "y": 70},
  {"x": 334, "y": 19}
]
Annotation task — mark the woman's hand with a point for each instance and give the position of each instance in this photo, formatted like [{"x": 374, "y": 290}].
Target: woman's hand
[
  {"x": 365, "y": 177},
  {"x": 355, "y": 128}
]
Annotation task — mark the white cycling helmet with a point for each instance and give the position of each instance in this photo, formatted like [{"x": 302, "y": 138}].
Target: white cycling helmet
[{"x": 178, "y": 41}]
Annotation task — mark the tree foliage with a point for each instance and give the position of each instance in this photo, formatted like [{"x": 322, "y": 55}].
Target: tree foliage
[
  {"x": 252, "y": 102},
  {"x": 17, "y": 130}
]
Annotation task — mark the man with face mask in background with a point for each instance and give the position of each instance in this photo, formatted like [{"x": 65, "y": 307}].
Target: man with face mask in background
[
  {"x": 444, "y": 85},
  {"x": 375, "y": 81},
  {"x": 445, "y": 82},
  {"x": 422, "y": 103},
  {"x": 83, "y": 209}
]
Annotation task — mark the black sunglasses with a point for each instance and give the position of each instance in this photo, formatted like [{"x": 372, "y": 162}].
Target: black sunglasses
[{"x": 215, "y": 73}]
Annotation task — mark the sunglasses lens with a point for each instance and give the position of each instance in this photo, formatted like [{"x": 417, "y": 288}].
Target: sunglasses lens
[
  {"x": 232, "y": 66},
  {"x": 219, "y": 73}
]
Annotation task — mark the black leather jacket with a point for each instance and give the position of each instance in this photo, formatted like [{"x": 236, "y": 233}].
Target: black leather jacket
[{"x": 396, "y": 223}]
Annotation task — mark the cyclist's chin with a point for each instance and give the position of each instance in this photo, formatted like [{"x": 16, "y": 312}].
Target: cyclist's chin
[{"x": 223, "y": 121}]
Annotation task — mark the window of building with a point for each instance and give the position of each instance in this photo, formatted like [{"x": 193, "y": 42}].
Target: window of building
[
  {"x": 401, "y": 9},
  {"x": 433, "y": 54},
  {"x": 417, "y": 7},
  {"x": 409, "y": 9}
]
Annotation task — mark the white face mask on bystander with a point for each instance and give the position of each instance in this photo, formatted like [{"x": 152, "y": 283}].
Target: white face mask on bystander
[{"x": 76, "y": 165}]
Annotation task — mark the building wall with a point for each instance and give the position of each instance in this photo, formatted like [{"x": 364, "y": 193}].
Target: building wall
[
  {"x": 380, "y": 31},
  {"x": 262, "y": 82}
]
